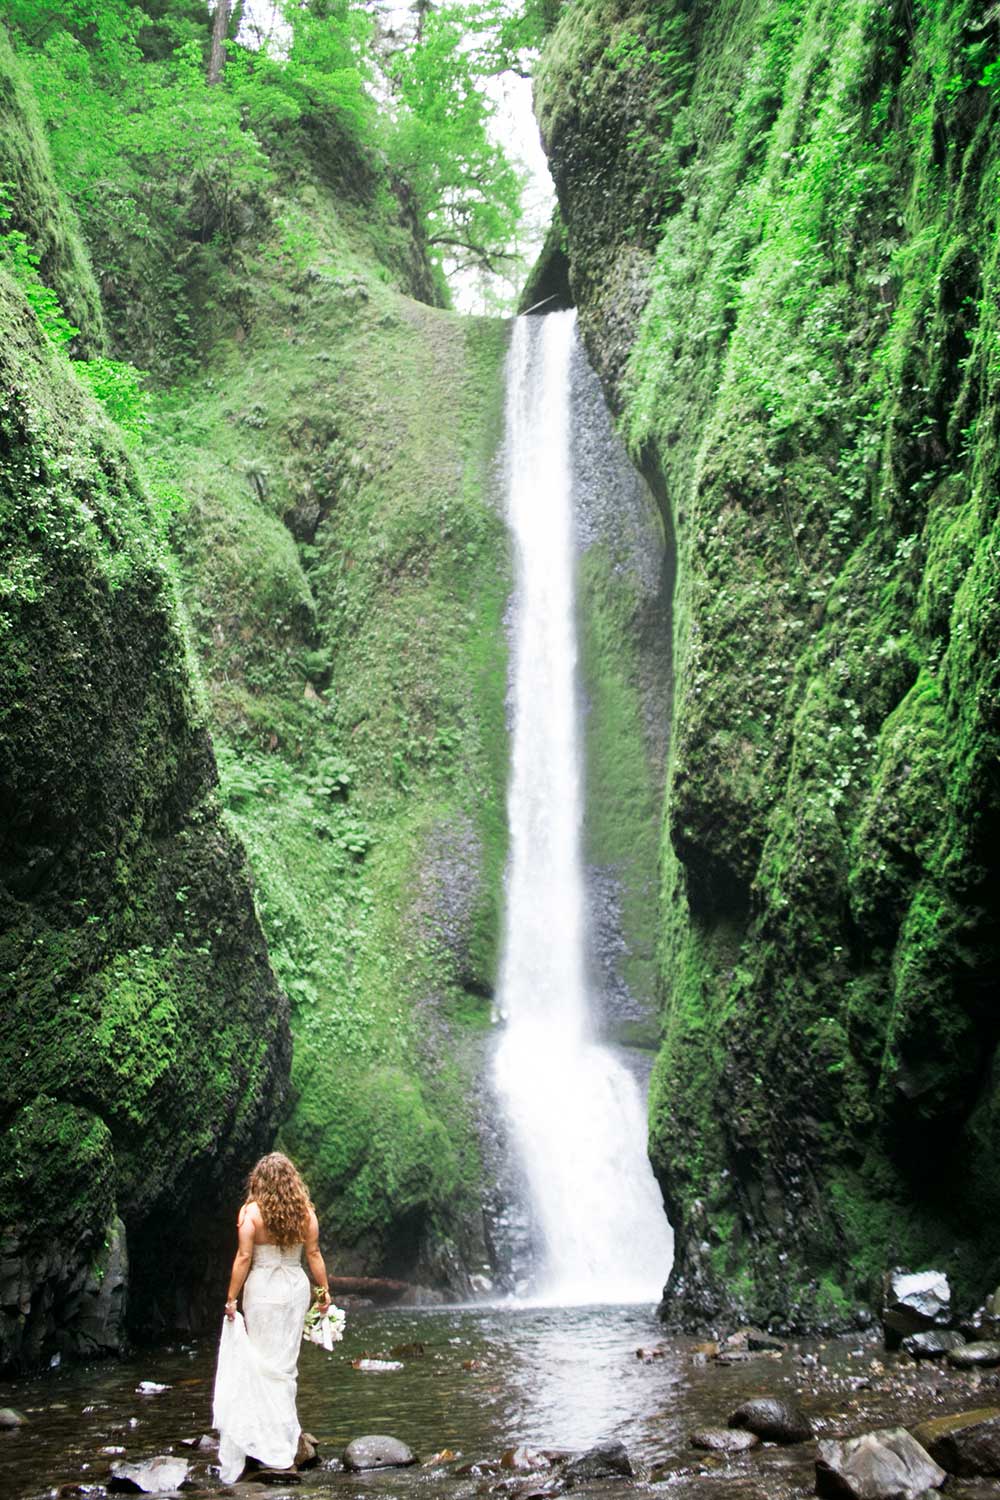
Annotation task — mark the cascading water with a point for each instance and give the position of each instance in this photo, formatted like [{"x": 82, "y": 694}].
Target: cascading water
[{"x": 576, "y": 1113}]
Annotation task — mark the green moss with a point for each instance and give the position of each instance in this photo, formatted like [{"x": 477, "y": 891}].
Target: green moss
[{"x": 801, "y": 333}]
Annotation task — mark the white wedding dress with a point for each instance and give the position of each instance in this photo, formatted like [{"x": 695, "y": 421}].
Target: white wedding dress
[{"x": 257, "y": 1373}]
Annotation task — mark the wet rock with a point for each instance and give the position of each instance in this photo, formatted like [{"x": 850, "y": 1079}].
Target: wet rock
[
  {"x": 885, "y": 1465},
  {"x": 150, "y": 1477},
  {"x": 9, "y": 1419},
  {"x": 307, "y": 1453},
  {"x": 377, "y": 1452},
  {"x": 150, "y": 1388},
  {"x": 725, "y": 1439},
  {"x": 753, "y": 1340},
  {"x": 933, "y": 1343},
  {"x": 606, "y": 1461},
  {"x": 523, "y": 1460},
  {"x": 377, "y": 1366},
  {"x": 913, "y": 1301},
  {"x": 772, "y": 1419},
  {"x": 966, "y": 1443},
  {"x": 977, "y": 1355}
]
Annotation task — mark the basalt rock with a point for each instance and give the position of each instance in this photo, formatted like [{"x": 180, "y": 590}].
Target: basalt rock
[
  {"x": 605, "y": 1461},
  {"x": 913, "y": 1302},
  {"x": 377, "y": 1452},
  {"x": 885, "y": 1465},
  {"x": 966, "y": 1443},
  {"x": 933, "y": 1343},
  {"x": 152, "y": 1476},
  {"x": 725, "y": 1439},
  {"x": 979, "y": 1355},
  {"x": 774, "y": 1420}
]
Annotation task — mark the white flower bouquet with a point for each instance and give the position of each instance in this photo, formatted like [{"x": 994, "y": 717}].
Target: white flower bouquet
[{"x": 326, "y": 1328}]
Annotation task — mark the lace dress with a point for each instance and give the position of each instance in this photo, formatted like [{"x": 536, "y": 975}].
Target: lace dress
[{"x": 257, "y": 1373}]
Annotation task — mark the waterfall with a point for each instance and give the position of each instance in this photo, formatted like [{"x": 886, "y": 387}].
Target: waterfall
[{"x": 576, "y": 1114}]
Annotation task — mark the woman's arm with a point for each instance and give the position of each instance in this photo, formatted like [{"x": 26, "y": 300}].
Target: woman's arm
[
  {"x": 314, "y": 1259},
  {"x": 243, "y": 1260}
]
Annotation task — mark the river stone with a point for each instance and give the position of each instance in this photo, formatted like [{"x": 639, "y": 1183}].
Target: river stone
[
  {"x": 966, "y": 1443},
  {"x": 307, "y": 1453},
  {"x": 150, "y": 1477},
  {"x": 772, "y": 1419},
  {"x": 913, "y": 1301},
  {"x": 725, "y": 1439},
  {"x": 9, "y": 1419},
  {"x": 606, "y": 1461},
  {"x": 972, "y": 1356},
  {"x": 885, "y": 1465},
  {"x": 377, "y": 1452},
  {"x": 932, "y": 1343}
]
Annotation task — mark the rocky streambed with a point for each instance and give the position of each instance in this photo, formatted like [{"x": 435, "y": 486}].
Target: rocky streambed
[{"x": 514, "y": 1402}]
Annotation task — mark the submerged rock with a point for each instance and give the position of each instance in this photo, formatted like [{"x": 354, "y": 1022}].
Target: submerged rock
[
  {"x": 933, "y": 1343},
  {"x": 377, "y": 1452},
  {"x": 772, "y": 1419},
  {"x": 605, "y": 1461},
  {"x": 9, "y": 1419},
  {"x": 725, "y": 1439},
  {"x": 966, "y": 1443},
  {"x": 885, "y": 1465},
  {"x": 913, "y": 1301},
  {"x": 150, "y": 1477}
]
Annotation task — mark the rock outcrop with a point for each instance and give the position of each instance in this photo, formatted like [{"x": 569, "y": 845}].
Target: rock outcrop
[{"x": 781, "y": 236}]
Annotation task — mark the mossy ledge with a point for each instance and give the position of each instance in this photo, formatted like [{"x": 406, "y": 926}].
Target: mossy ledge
[{"x": 781, "y": 223}]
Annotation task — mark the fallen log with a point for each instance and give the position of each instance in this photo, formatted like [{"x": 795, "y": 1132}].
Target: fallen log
[{"x": 378, "y": 1288}]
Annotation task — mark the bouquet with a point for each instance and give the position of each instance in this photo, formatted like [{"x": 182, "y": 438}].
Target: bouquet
[{"x": 326, "y": 1328}]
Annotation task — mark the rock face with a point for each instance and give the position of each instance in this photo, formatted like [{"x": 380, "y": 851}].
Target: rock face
[
  {"x": 886, "y": 1465},
  {"x": 774, "y": 1420},
  {"x": 377, "y": 1452},
  {"x": 144, "y": 1047},
  {"x": 812, "y": 402},
  {"x": 967, "y": 1443}
]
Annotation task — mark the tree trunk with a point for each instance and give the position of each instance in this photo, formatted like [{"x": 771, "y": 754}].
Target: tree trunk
[{"x": 220, "y": 28}]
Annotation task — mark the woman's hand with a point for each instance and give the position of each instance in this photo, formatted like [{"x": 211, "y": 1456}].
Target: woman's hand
[
  {"x": 323, "y": 1298},
  {"x": 231, "y": 1309}
]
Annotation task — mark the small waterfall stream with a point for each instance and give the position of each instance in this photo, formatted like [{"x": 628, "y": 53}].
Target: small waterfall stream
[{"x": 575, "y": 1111}]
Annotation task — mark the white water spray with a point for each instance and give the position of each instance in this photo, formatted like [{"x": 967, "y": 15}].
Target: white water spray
[{"x": 576, "y": 1113}]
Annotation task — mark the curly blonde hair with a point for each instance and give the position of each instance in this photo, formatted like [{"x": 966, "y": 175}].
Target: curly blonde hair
[{"x": 282, "y": 1197}]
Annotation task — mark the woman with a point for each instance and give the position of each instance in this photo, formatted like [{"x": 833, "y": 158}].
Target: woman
[{"x": 257, "y": 1373}]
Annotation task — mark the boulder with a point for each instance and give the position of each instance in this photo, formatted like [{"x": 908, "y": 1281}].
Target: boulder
[
  {"x": 9, "y": 1419},
  {"x": 912, "y": 1301},
  {"x": 982, "y": 1353},
  {"x": 772, "y": 1419},
  {"x": 932, "y": 1343},
  {"x": 885, "y": 1465},
  {"x": 725, "y": 1439},
  {"x": 606, "y": 1461},
  {"x": 377, "y": 1452},
  {"x": 523, "y": 1460},
  {"x": 150, "y": 1477},
  {"x": 966, "y": 1443}
]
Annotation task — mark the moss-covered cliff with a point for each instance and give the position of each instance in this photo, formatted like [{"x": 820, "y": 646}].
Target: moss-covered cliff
[
  {"x": 144, "y": 1047},
  {"x": 782, "y": 230}
]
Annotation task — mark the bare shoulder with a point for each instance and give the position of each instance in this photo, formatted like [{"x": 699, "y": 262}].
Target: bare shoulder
[
  {"x": 250, "y": 1214},
  {"x": 312, "y": 1228}
]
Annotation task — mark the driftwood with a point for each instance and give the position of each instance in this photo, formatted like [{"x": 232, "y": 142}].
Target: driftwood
[{"x": 378, "y": 1288}]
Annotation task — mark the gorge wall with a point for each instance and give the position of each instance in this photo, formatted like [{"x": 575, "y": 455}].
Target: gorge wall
[
  {"x": 144, "y": 1049},
  {"x": 781, "y": 227}
]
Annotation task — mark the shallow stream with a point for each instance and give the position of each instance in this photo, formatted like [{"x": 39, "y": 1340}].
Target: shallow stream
[{"x": 489, "y": 1379}]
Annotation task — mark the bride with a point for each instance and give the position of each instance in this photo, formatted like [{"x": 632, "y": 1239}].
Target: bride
[{"x": 255, "y": 1382}]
